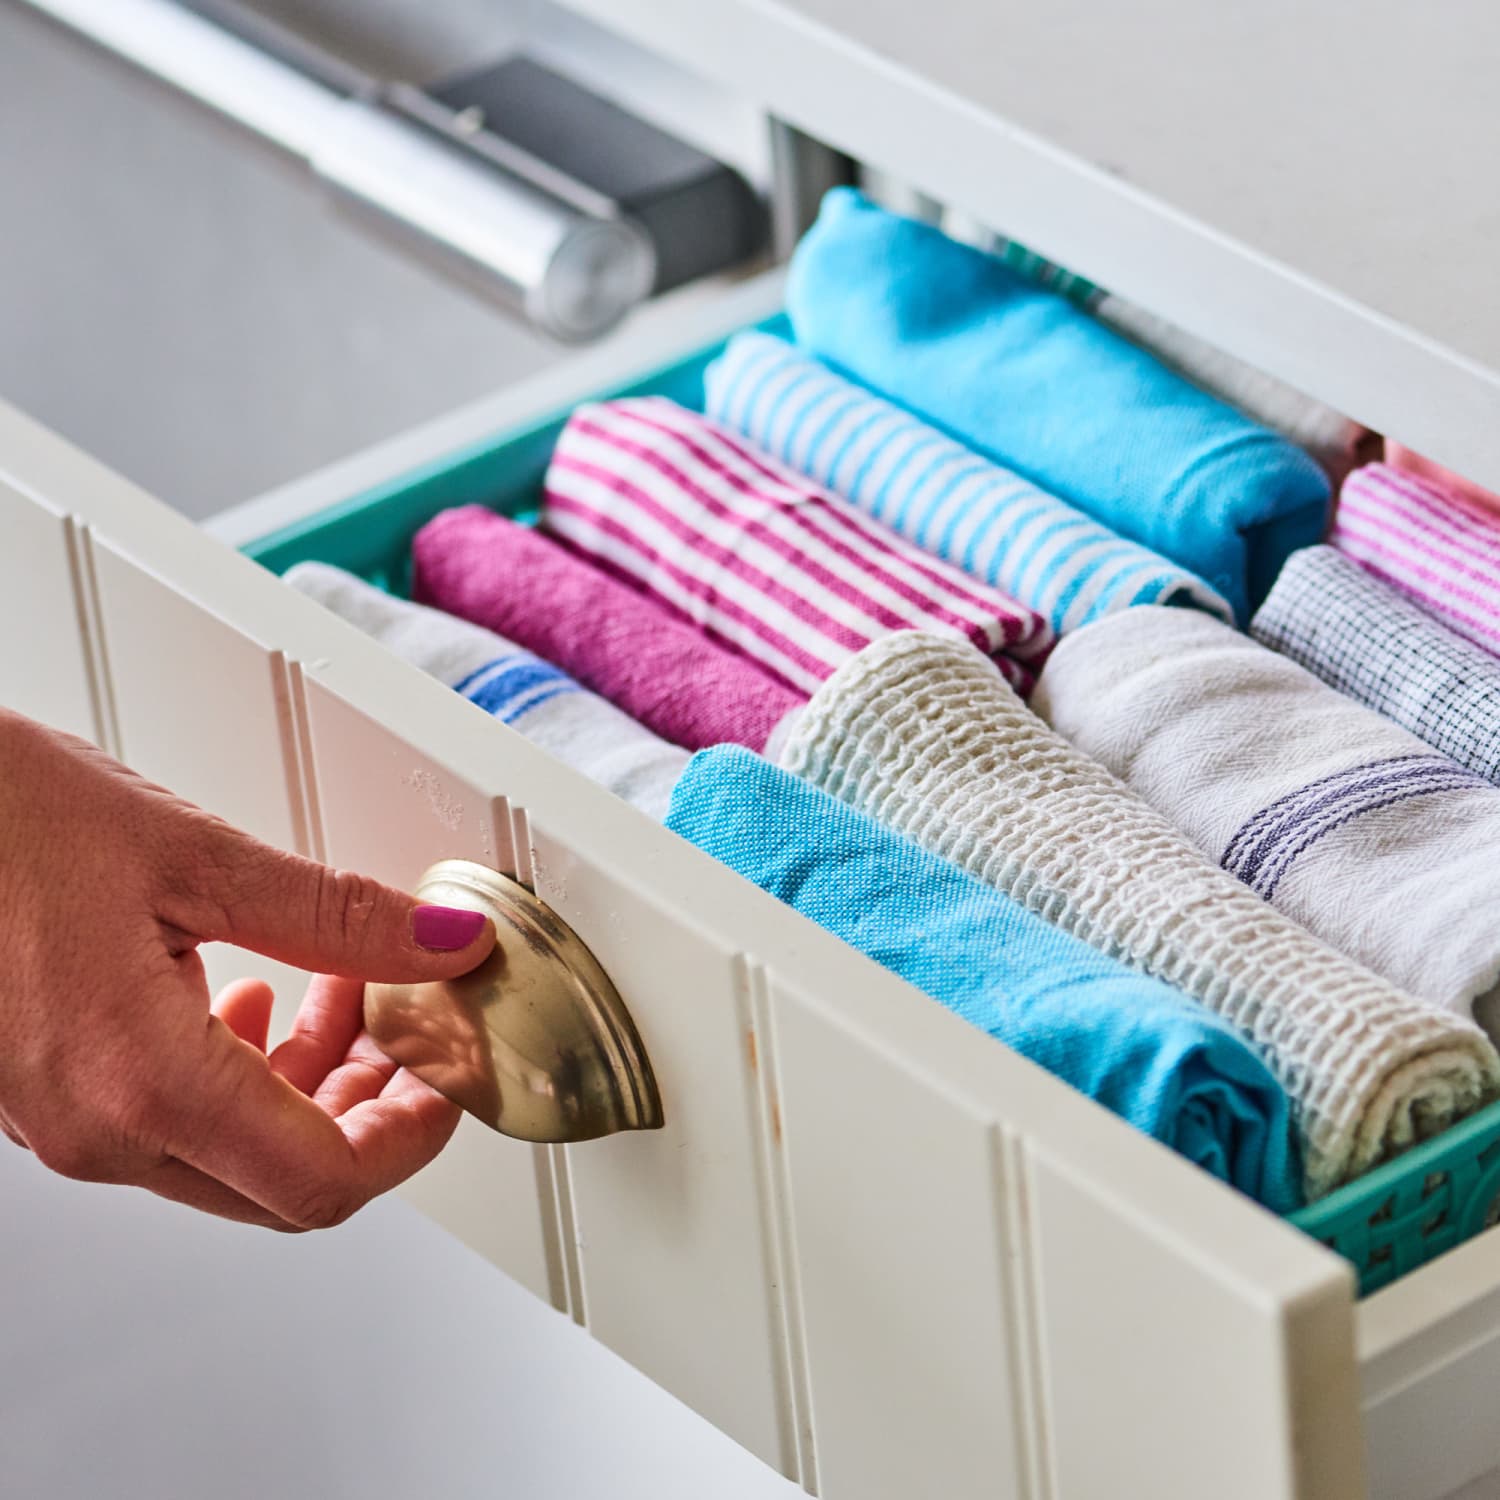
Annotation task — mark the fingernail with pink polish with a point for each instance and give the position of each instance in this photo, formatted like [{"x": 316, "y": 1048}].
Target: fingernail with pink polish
[{"x": 445, "y": 929}]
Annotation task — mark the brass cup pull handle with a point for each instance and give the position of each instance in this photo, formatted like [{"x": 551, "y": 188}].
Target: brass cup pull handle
[{"x": 536, "y": 1041}]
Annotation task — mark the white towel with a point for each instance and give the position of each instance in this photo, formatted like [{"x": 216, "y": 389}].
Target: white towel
[
  {"x": 532, "y": 696},
  {"x": 922, "y": 734},
  {"x": 1349, "y": 824}
]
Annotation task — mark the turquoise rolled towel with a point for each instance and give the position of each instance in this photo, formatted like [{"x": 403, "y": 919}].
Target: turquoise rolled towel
[
  {"x": 1033, "y": 382},
  {"x": 1133, "y": 1044}
]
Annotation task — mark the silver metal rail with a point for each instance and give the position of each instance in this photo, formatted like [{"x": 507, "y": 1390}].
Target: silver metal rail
[{"x": 572, "y": 273}]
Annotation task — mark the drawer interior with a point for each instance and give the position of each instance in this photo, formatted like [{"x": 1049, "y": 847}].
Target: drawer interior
[
  {"x": 370, "y": 534},
  {"x": 1388, "y": 1223}
]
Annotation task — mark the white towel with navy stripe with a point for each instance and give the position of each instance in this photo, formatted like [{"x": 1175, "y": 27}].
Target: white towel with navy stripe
[
  {"x": 531, "y": 695},
  {"x": 937, "y": 493},
  {"x": 1343, "y": 820}
]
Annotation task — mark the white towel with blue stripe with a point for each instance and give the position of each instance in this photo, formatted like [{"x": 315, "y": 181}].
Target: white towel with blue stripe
[
  {"x": 532, "y": 696},
  {"x": 937, "y": 493}
]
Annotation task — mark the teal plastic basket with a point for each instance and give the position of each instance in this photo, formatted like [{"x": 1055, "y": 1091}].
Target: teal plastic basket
[
  {"x": 1391, "y": 1221},
  {"x": 1408, "y": 1212}
]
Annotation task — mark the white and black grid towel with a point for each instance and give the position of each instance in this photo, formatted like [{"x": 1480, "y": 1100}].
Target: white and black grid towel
[{"x": 1360, "y": 636}]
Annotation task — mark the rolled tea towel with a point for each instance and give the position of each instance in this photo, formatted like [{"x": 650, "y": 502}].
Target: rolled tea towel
[
  {"x": 1031, "y": 381},
  {"x": 754, "y": 553},
  {"x": 1133, "y": 1044},
  {"x": 1398, "y": 456},
  {"x": 1434, "y": 546},
  {"x": 1337, "y": 442},
  {"x": 927, "y": 738},
  {"x": 1360, "y": 636},
  {"x": 512, "y": 685},
  {"x": 984, "y": 519},
  {"x": 613, "y": 639},
  {"x": 1346, "y": 822}
]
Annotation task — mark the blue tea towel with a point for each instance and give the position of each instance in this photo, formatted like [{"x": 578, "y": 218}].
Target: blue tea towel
[
  {"x": 1131, "y": 1043},
  {"x": 1043, "y": 552},
  {"x": 1026, "y": 378}
]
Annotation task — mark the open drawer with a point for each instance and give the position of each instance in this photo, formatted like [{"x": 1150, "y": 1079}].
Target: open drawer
[{"x": 888, "y": 1256}]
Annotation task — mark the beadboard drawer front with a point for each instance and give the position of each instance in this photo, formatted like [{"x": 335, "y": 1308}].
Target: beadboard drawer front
[
  {"x": 48, "y": 667},
  {"x": 888, "y": 1256}
]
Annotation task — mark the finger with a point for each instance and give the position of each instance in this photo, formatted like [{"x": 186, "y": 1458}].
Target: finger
[
  {"x": 244, "y": 1006},
  {"x": 330, "y": 1017},
  {"x": 400, "y": 1132},
  {"x": 221, "y": 885},
  {"x": 362, "y": 1075},
  {"x": 183, "y": 1184},
  {"x": 251, "y": 1129}
]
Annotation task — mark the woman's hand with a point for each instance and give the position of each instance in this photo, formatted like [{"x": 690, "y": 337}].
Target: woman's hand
[{"x": 113, "y": 1065}]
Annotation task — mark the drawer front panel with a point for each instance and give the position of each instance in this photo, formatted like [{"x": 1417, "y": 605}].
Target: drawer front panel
[
  {"x": 200, "y": 706},
  {"x": 913, "y": 1269},
  {"x": 673, "y": 1226},
  {"x": 380, "y": 806},
  {"x": 47, "y": 667},
  {"x": 866, "y": 1186}
]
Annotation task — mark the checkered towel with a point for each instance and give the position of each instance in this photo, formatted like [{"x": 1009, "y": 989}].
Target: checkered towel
[{"x": 1364, "y": 639}]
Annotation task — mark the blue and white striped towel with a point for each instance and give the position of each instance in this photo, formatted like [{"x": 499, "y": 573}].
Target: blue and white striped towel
[
  {"x": 935, "y": 492},
  {"x": 509, "y": 684}
]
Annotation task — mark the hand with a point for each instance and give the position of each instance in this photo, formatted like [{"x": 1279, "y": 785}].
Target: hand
[{"x": 113, "y": 1065}]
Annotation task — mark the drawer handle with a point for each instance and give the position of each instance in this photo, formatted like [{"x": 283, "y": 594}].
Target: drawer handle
[{"x": 536, "y": 1041}]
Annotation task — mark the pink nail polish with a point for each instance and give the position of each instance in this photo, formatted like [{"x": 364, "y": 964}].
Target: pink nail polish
[{"x": 445, "y": 929}]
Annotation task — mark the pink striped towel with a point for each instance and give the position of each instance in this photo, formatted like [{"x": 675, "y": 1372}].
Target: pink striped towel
[
  {"x": 1438, "y": 548},
  {"x": 757, "y": 556},
  {"x": 1400, "y": 457}
]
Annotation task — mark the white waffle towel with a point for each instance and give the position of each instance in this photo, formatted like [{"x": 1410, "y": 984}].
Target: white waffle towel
[{"x": 923, "y": 734}]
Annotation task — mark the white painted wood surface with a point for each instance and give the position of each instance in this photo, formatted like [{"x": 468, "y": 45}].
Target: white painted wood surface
[
  {"x": 1306, "y": 185},
  {"x": 48, "y": 671},
  {"x": 736, "y": 1256}
]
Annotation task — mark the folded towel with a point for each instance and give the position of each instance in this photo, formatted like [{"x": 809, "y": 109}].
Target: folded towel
[
  {"x": 1337, "y": 442},
  {"x": 1399, "y": 457},
  {"x": 519, "y": 689},
  {"x": 755, "y": 554},
  {"x": 626, "y": 647},
  {"x": 1029, "y": 380},
  {"x": 1079, "y": 290},
  {"x": 1341, "y": 819},
  {"x": 1432, "y": 545},
  {"x": 1363, "y": 638},
  {"x": 1133, "y": 1044},
  {"x": 1333, "y": 439},
  {"x": 937, "y": 493},
  {"x": 925, "y": 736}
]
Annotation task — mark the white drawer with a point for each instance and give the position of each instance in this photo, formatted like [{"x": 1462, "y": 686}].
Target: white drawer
[{"x": 888, "y": 1257}]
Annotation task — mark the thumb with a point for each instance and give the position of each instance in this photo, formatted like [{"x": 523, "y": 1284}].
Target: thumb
[{"x": 228, "y": 887}]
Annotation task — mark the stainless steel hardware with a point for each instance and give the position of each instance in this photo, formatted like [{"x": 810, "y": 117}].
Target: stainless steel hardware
[{"x": 572, "y": 272}]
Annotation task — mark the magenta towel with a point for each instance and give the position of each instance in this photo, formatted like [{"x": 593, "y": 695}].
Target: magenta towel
[
  {"x": 757, "y": 555},
  {"x": 1436, "y": 547},
  {"x": 613, "y": 639}
]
